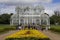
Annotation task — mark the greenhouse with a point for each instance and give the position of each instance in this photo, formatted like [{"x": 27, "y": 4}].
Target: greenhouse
[{"x": 30, "y": 15}]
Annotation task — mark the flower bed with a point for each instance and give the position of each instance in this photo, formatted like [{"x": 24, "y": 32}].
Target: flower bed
[{"x": 27, "y": 35}]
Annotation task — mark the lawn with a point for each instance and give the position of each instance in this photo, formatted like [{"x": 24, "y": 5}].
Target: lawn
[
  {"x": 4, "y": 28},
  {"x": 55, "y": 28}
]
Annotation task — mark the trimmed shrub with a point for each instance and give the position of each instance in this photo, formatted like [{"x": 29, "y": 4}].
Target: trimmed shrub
[{"x": 27, "y": 38}]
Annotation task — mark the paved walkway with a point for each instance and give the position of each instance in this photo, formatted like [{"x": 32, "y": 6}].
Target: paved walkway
[
  {"x": 51, "y": 35},
  {"x": 2, "y": 37}
]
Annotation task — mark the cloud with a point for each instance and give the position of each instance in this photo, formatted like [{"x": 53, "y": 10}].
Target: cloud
[
  {"x": 8, "y": 9},
  {"x": 53, "y": 6},
  {"x": 50, "y": 8},
  {"x": 4, "y": 0},
  {"x": 26, "y": 1}
]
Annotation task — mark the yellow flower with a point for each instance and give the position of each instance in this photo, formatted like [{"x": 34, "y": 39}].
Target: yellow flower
[{"x": 28, "y": 33}]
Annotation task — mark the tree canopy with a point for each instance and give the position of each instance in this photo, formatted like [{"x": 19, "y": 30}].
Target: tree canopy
[
  {"x": 55, "y": 19},
  {"x": 5, "y": 18}
]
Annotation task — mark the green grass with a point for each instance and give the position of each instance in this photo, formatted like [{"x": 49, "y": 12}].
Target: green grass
[
  {"x": 5, "y": 28},
  {"x": 2, "y": 26},
  {"x": 55, "y": 28}
]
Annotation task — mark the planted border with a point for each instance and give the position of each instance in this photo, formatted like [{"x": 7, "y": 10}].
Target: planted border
[
  {"x": 27, "y": 38},
  {"x": 29, "y": 34}
]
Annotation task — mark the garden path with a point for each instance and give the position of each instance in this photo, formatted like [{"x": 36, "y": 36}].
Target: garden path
[
  {"x": 2, "y": 36},
  {"x": 51, "y": 35}
]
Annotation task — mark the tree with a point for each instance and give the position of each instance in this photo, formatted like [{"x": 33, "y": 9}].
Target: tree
[
  {"x": 5, "y": 18},
  {"x": 55, "y": 19}
]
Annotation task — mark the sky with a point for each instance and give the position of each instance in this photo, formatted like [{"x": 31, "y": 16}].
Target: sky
[{"x": 8, "y": 6}]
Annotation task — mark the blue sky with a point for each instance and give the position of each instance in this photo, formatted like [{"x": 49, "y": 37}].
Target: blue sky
[
  {"x": 56, "y": 1},
  {"x": 8, "y": 6}
]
